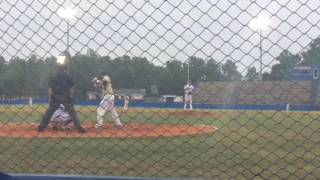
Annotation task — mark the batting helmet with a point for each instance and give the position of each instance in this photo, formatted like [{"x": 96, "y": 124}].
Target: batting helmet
[{"x": 106, "y": 78}]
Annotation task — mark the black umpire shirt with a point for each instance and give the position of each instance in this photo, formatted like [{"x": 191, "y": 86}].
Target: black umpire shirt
[{"x": 61, "y": 85}]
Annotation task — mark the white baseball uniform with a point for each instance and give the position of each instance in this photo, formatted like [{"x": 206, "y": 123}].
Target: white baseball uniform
[
  {"x": 126, "y": 103},
  {"x": 188, "y": 90},
  {"x": 107, "y": 104}
]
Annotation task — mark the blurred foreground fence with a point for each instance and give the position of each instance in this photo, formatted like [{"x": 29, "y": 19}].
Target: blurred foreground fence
[{"x": 254, "y": 66}]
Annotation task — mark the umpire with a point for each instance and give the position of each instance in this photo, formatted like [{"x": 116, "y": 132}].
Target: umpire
[{"x": 61, "y": 89}]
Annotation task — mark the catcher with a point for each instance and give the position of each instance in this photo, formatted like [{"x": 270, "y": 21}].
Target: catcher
[
  {"x": 60, "y": 119},
  {"x": 188, "y": 89},
  {"x": 104, "y": 83}
]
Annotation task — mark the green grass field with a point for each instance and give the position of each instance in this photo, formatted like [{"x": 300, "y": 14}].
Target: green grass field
[{"x": 248, "y": 144}]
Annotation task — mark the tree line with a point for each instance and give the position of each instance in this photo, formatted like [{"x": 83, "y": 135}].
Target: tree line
[
  {"x": 286, "y": 61},
  {"x": 29, "y": 77}
]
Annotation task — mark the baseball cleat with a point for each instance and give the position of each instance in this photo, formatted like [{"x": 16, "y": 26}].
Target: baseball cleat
[
  {"x": 82, "y": 130},
  {"x": 98, "y": 126},
  {"x": 65, "y": 128},
  {"x": 119, "y": 126},
  {"x": 40, "y": 129}
]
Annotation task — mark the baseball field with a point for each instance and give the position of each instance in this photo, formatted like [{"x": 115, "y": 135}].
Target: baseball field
[{"x": 221, "y": 144}]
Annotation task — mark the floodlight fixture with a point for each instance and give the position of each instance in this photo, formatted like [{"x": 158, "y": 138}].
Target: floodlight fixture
[
  {"x": 68, "y": 13},
  {"x": 61, "y": 59},
  {"x": 260, "y": 24}
]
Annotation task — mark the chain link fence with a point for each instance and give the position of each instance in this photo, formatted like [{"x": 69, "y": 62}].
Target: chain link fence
[{"x": 251, "y": 112}]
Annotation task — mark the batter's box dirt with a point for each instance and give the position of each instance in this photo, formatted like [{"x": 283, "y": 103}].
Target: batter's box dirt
[{"x": 26, "y": 130}]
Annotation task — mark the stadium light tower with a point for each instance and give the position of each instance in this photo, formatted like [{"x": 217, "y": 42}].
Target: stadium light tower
[
  {"x": 65, "y": 57},
  {"x": 259, "y": 24},
  {"x": 68, "y": 14},
  {"x": 188, "y": 75}
]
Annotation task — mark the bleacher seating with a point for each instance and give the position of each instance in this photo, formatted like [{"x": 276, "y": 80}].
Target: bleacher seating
[
  {"x": 214, "y": 93},
  {"x": 256, "y": 92},
  {"x": 274, "y": 92}
]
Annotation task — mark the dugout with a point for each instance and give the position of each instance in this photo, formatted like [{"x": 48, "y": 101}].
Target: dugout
[
  {"x": 170, "y": 98},
  {"x": 134, "y": 94}
]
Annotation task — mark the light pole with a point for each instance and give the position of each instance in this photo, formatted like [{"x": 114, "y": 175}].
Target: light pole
[
  {"x": 188, "y": 71},
  {"x": 259, "y": 24},
  {"x": 65, "y": 57},
  {"x": 68, "y": 14},
  {"x": 260, "y": 50}
]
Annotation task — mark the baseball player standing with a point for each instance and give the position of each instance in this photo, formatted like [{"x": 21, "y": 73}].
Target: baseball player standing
[
  {"x": 126, "y": 102},
  {"x": 107, "y": 103},
  {"x": 188, "y": 89}
]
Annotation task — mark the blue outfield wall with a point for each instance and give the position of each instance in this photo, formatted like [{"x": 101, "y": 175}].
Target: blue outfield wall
[
  {"x": 142, "y": 104},
  {"x": 278, "y": 107}
]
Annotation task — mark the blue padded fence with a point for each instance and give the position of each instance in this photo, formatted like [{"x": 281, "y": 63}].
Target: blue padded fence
[{"x": 142, "y": 104}]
